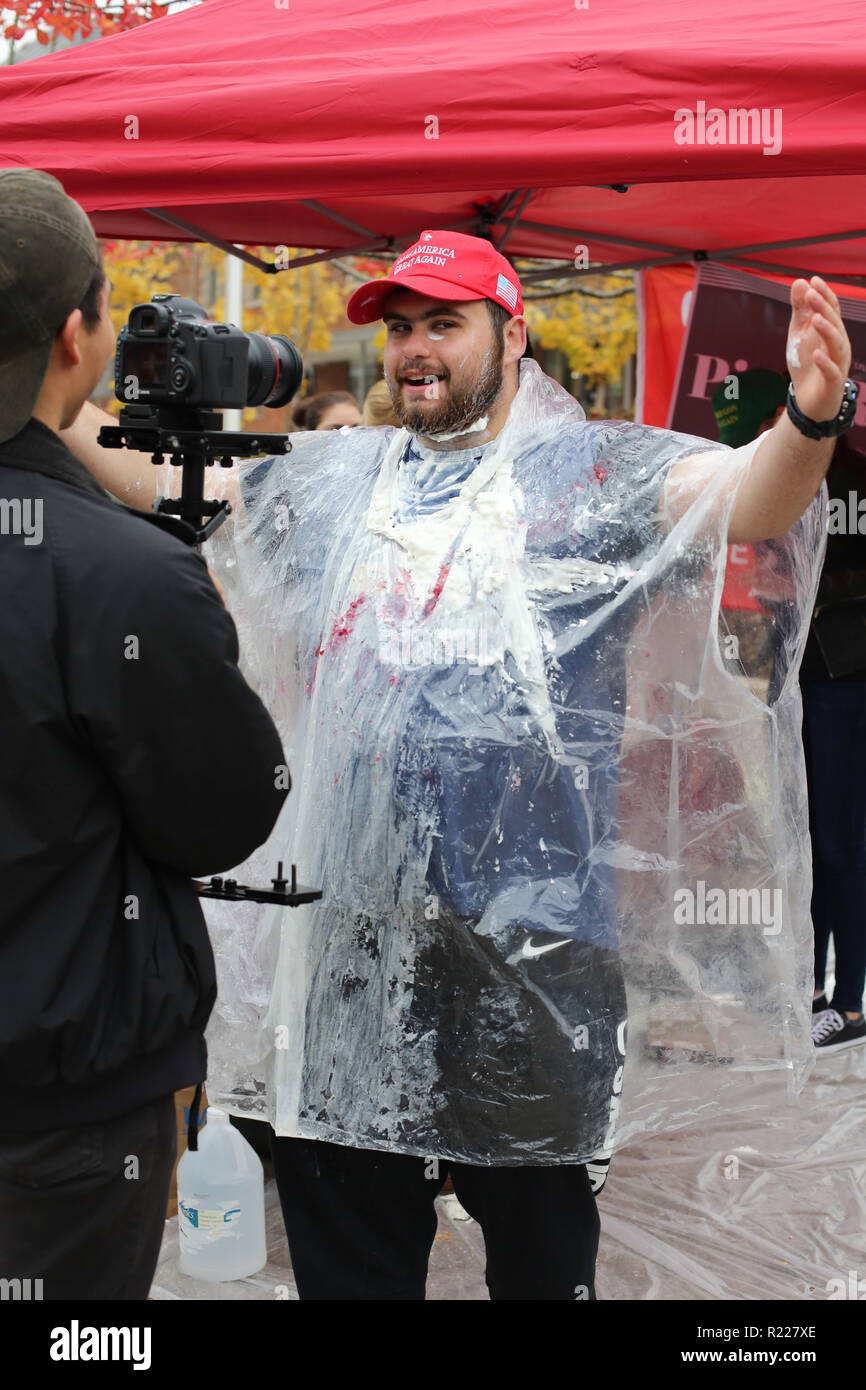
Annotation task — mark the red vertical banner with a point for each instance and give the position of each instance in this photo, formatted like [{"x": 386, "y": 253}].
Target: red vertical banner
[{"x": 664, "y": 299}]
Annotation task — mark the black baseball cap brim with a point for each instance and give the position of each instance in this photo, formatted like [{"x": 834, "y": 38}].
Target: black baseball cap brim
[{"x": 367, "y": 304}]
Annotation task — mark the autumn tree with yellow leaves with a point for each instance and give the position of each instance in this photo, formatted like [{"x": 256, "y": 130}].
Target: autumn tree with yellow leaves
[
  {"x": 49, "y": 20},
  {"x": 306, "y": 303},
  {"x": 593, "y": 322}
]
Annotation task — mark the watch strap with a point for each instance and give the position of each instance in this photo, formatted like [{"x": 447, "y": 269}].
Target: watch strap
[{"x": 824, "y": 429}]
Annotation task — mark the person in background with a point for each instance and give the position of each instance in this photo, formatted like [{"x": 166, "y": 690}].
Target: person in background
[
  {"x": 758, "y": 403},
  {"x": 378, "y": 406},
  {"x": 329, "y": 411},
  {"x": 833, "y": 687}
]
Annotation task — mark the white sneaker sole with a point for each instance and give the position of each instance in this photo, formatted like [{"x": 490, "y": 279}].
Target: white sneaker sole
[{"x": 840, "y": 1047}]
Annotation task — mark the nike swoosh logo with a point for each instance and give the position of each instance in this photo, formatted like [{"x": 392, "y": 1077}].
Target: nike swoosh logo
[{"x": 530, "y": 950}]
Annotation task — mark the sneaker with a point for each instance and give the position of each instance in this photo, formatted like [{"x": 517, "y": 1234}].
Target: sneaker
[
  {"x": 819, "y": 1003},
  {"x": 831, "y": 1031}
]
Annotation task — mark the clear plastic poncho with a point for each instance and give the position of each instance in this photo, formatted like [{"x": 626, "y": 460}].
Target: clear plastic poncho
[{"x": 561, "y": 833}]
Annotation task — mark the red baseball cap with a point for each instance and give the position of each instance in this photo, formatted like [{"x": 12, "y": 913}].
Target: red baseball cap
[{"x": 447, "y": 265}]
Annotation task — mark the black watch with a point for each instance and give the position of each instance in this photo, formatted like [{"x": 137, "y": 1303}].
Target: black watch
[{"x": 825, "y": 429}]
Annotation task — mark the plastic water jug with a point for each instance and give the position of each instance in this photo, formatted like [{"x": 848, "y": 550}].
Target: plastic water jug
[{"x": 221, "y": 1204}]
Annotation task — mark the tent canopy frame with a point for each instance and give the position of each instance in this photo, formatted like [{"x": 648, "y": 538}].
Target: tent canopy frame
[{"x": 488, "y": 219}]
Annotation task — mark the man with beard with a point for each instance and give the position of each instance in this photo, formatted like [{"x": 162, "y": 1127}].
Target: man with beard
[{"x": 456, "y": 1001}]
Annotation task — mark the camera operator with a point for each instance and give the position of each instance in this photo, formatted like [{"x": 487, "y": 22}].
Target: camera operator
[{"x": 118, "y": 680}]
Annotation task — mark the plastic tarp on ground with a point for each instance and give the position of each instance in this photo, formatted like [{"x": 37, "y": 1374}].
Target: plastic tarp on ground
[
  {"x": 538, "y": 802},
  {"x": 340, "y": 125},
  {"x": 763, "y": 1204}
]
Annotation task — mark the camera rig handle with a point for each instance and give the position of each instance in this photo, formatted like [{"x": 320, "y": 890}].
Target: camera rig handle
[
  {"x": 193, "y": 441},
  {"x": 231, "y": 891}
]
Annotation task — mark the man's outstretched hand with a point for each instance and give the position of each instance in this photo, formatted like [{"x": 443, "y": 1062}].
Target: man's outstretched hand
[
  {"x": 787, "y": 468},
  {"x": 819, "y": 352}
]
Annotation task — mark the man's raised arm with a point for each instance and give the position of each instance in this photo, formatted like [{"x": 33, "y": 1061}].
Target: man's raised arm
[
  {"x": 787, "y": 468},
  {"x": 126, "y": 474}
]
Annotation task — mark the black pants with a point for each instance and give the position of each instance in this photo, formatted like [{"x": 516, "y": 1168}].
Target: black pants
[
  {"x": 360, "y": 1223},
  {"x": 84, "y": 1209},
  {"x": 834, "y": 731}
]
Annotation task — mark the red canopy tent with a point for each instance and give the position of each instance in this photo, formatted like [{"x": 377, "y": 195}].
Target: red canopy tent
[{"x": 350, "y": 125}]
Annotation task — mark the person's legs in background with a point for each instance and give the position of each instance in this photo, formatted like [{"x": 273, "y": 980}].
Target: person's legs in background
[{"x": 834, "y": 738}]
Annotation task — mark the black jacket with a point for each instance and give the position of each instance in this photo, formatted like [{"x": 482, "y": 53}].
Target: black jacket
[
  {"x": 843, "y": 576},
  {"x": 134, "y": 755}
]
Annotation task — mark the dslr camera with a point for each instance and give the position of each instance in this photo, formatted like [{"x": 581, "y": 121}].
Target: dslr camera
[
  {"x": 171, "y": 354},
  {"x": 175, "y": 370}
]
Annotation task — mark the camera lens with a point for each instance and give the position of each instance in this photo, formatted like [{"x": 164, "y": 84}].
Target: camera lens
[{"x": 274, "y": 369}]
